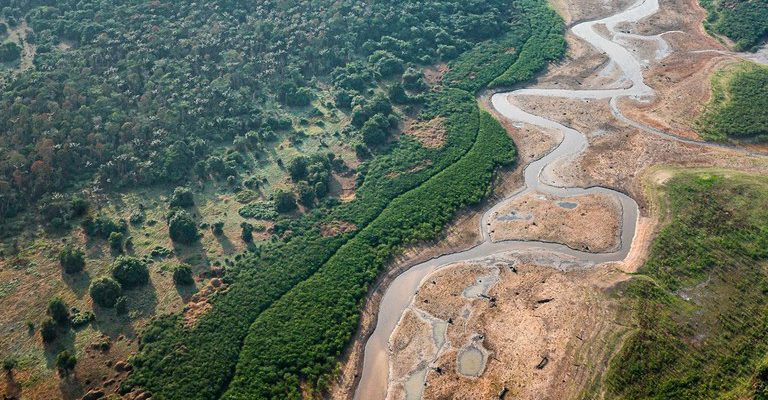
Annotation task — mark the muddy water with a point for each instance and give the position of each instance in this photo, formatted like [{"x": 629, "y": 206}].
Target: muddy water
[
  {"x": 471, "y": 362},
  {"x": 373, "y": 382}
]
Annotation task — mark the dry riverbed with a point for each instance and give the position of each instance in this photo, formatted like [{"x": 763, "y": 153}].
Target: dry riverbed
[{"x": 540, "y": 326}]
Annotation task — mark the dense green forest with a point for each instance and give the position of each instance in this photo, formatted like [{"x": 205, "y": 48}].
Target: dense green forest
[
  {"x": 127, "y": 93},
  {"x": 128, "y": 96},
  {"x": 743, "y": 21},
  {"x": 699, "y": 304},
  {"x": 738, "y": 108},
  {"x": 320, "y": 281}
]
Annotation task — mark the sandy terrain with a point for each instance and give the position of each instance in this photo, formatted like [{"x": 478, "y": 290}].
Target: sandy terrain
[
  {"x": 587, "y": 223},
  {"x": 542, "y": 330}
]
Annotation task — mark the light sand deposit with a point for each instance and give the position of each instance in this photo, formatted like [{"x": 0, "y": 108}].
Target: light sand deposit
[{"x": 587, "y": 222}]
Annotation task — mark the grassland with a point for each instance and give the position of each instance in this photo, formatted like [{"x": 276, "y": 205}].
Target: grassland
[
  {"x": 31, "y": 275},
  {"x": 699, "y": 303},
  {"x": 738, "y": 108}
]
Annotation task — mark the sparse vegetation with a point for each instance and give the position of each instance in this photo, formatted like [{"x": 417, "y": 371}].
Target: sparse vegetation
[{"x": 699, "y": 304}]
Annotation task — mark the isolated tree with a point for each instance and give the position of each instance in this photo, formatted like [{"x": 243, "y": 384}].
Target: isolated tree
[
  {"x": 116, "y": 241},
  {"x": 181, "y": 227},
  {"x": 297, "y": 168},
  {"x": 9, "y": 364},
  {"x": 65, "y": 363},
  {"x": 247, "y": 232},
  {"x": 105, "y": 291},
  {"x": 130, "y": 271},
  {"x": 182, "y": 197},
  {"x": 285, "y": 201},
  {"x": 72, "y": 260},
  {"x": 218, "y": 228},
  {"x": 49, "y": 330},
  {"x": 182, "y": 275},
  {"x": 58, "y": 311}
]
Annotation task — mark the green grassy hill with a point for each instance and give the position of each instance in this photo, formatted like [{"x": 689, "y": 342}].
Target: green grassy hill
[{"x": 700, "y": 303}]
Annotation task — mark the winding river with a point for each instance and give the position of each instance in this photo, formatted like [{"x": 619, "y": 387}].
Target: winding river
[{"x": 374, "y": 378}]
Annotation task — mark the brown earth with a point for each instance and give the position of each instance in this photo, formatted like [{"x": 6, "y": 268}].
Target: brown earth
[
  {"x": 594, "y": 224},
  {"x": 336, "y": 227},
  {"x": 431, "y": 134},
  {"x": 543, "y": 329}
]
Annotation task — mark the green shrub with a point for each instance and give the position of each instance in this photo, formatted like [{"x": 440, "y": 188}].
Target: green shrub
[
  {"x": 58, "y": 311},
  {"x": 284, "y": 201},
  {"x": 182, "y": 197},
  {"x": 130, "y": 271},
  {"x": 9, "y": 51},
  {"x": 259, "y": 210},
  {"x": 218, "y": 228},
  {"x": 105, "y": 291},
  {"x": 65, "y": 362},
  {"x": 738, "y": 108},
  {"x": 182, "y": 227},
  {"x": 247, "y": 232},
  {"x": 116, "y": 241},
  {"x": 713, "y": 345},
  {"x": 79, "y": 319},
  {"x": 102, "y": 226},
  {"x": 72, "y": 260},
  {"x": 49, "y": 330},
  {"x": 9, "y": 364},
  {"x": 182, "y": 275},
  {"x": 744, "y": 22}
]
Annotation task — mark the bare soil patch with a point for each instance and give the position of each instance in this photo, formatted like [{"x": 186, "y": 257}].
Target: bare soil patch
[
  {"x": 431, "y": 134},
  {"x": 336, "y": 227},
  {"x": 587, "y": 223},
  {"x": 433, "y": 76},
  {"x": 543, "y": 329}
]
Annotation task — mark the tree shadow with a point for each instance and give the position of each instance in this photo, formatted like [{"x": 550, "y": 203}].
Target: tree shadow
[
  {"x": 78, "y": 283},
  {"x": 186, "y": 291},
  {"x": 142, "y": 303},
  {"x": 193, "y": 254},
  {"x": 70, "y": 388},
  {"x": 12, "y": 387},
  {"x": 226, "y": 245},
  {"x": 64, "y": 341}
]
